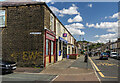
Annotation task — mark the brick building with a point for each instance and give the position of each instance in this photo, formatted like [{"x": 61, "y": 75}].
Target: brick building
[{"x": 29, "y": 34}]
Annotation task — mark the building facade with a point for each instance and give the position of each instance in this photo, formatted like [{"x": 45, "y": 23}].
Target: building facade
[{"x": 32, "y": 35}]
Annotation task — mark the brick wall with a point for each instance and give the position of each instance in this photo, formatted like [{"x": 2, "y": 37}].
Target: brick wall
[{"x": 17, "y": 43}]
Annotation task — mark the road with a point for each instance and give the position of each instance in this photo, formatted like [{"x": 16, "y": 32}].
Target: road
[{"x": 107, "y": 70}]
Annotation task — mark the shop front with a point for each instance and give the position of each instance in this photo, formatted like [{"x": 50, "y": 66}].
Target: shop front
[
  {"x": 50, "y": 45},
  {"x": 63, "y": 47}
]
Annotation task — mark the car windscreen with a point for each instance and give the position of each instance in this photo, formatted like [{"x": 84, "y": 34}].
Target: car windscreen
[
  {"x": 104, "y": 53},
  {"x": 114, "y": 53}
]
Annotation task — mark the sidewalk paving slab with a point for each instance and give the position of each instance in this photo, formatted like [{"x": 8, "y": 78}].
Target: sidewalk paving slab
[{"x": 72, "y": 70}]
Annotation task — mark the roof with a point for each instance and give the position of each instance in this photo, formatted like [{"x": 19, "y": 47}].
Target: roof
[
  {"x": 8, "y": 4},
  {"x": 13, "y": 4}
]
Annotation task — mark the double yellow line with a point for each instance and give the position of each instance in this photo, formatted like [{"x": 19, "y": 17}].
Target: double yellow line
[{"x": 101, "y": 74}]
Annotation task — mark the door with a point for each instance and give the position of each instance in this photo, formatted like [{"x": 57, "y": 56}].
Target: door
[
  {"x": 64, "y": 50},
  {"x": 49, "y": 51},
  {"x": 56, "y": 50}
]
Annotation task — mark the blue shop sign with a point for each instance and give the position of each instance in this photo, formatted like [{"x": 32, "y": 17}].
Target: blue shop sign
[{"x": 63, "y": 40}]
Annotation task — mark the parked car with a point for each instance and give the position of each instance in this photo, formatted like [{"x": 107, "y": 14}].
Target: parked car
[
  {"x": 7, "y": 66},
  {"x": 113, "y": 54},
  {"x": 103, "y": 56}
]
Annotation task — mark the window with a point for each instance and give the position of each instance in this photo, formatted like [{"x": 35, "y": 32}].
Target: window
[
  {"x": 69, "y": 50},
  {"x": 51, "y": 22},
  {"x": 51, "y": 47},
  {"x": 47, "y": 47},
  {"x": 58, "y": 29},
  {"x": 2, "y": 18}
]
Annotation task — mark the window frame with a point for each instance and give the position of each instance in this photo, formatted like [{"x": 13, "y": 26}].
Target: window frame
[
  {"x": 51, "y": 22},
  {"x": 5, "y": 17},
  {"x": 47, "y": 47}
]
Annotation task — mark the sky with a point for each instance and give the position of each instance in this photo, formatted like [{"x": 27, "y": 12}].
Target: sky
[{"x": 93, "y": 21}]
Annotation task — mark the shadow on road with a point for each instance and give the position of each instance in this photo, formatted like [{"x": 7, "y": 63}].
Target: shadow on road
[{"x": 100, "y": 59}]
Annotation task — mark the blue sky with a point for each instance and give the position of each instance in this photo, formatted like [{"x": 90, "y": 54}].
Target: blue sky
[
  {"x": 103, "y": 13},
  {"x": 94, "y": 21}
]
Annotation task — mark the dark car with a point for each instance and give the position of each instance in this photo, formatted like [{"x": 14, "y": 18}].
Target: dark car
[
  {"x": 104, "y": 56},
  {"x": 7, "y": 66}
]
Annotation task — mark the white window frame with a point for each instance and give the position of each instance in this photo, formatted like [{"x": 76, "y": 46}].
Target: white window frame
[
  {"x": 51, "y": 22},
  {"x": 3, "y": 17},
  {"x": 59, "y": 28}
]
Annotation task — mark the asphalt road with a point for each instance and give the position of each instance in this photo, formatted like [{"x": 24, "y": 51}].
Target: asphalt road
[
  {"x": 107, "y": 70},
  {"x": 27, "y": 77}
]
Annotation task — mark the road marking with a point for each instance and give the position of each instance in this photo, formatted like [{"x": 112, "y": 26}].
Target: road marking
[
  {"x": 101, "y": 74},
  {"x": 95, "y": 72},
  {"x": 110, "y": 77},
  {"x": 96, "y": 68},
  {"x": 55, "y": 78},
  {"x": 106, "y": 64}
]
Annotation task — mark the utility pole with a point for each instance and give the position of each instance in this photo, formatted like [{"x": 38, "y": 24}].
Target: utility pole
[{"x": 80, "y": 37}]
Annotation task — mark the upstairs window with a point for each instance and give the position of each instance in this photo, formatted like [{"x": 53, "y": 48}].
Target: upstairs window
[
  {"x": 51, "y": 22},
  {"x": 58, "y": 29},
  {"x": 2, "y": 18}
]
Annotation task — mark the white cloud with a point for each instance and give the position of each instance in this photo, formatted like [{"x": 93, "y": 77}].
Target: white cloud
[
  {"x": 91, "y": 25},
  {"x": 114, "y": 15},
  {"x": 96, "y": 36},
  {"x": 110, "y": 26},
  {"x": 61, "y": 15},
  {"x": 52, "y": 2},
  {"x": 70, "y": 11},
  {"x": 75, "y": 31},
  {"x": 90, "y": 5},
  {"x": 77, "y": 18},
  {"x": 75, "y": 28},
  {"x": 106, "y": 37},
  {"x": 55, "y": 10},
  {"x": 75, "y": 25},
  {"x": 106, "y": 17}
]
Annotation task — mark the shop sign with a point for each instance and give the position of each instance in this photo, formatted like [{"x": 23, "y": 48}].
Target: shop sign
[
  {"x": 51, "y": 37},
  {"x": 64, "y": 34},
  {"x": 63, "y": 40},
  {"x": 35, "y": 33}
]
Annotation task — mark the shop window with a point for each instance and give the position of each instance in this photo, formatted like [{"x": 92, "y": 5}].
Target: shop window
[
  {"x": 2, "y": 18},
  {"x": 47, "y": 47},
  {"x": 51, "y": 47},
  {"x": 51, "y": 22}
]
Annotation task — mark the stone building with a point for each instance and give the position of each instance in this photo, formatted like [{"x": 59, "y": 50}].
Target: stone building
[{"x": 29, "y": 34}]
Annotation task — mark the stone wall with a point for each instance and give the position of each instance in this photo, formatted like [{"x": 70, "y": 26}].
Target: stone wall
[{"x": 17, "y": 43}]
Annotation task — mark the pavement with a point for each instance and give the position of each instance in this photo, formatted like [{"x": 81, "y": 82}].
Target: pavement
[
  {"x": 72, "y": 70},
  {"x": 28, "y": 69},
  {"x": 67, "y": 70}
]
